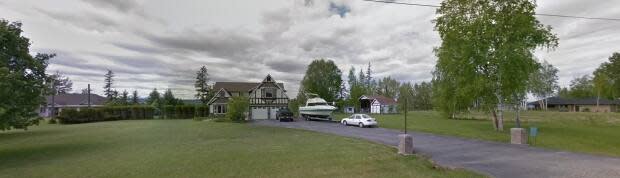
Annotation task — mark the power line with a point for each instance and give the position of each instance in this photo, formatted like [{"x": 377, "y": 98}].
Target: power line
[{"x": 538, "y": 14}]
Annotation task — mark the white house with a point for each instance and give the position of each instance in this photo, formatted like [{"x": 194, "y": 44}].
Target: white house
[
  {"x": 378, "y": 105},
  {"x": 266, "y": 97}
]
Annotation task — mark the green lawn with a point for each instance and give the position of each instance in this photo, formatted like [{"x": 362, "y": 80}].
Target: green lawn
[
  {"x": 597, "y": 133},
  {"x": 185, "y": 148}
]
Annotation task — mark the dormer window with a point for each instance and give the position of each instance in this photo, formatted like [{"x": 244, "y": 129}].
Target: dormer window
[{"x": 268, "y": 92}]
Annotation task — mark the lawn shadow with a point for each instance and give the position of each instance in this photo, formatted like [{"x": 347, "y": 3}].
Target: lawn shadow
[
  {"x": 32, "y": 155},
  {"x": 20, "y": 134}
]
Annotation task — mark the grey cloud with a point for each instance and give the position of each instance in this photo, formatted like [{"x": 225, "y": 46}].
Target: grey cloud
[
  {"x": 120, "y": 5},
  {"x": 85, "y": 20}
]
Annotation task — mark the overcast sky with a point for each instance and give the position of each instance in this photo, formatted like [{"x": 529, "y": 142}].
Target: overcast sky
[{"x": 161, "y": 43}]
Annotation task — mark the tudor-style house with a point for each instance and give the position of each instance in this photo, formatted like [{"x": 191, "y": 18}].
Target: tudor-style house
[{"x": 266, "y": 97}]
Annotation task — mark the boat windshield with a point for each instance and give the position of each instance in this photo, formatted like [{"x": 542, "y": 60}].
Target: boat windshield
[{"x": 317, "y": 104}]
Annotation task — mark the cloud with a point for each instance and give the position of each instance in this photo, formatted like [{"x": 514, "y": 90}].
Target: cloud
[
  {"x": 120, "y": 5},
  {"x": 86, "y": 20}
]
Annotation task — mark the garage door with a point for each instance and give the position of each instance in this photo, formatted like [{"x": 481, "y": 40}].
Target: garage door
[{"x": 260, "y": 113}]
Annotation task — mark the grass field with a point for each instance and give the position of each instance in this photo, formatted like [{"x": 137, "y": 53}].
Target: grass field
[
  {"x": 597, "y": 133},
  {"x": 185, "y": 148}
]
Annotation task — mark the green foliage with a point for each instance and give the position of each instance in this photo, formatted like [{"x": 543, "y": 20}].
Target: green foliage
[
  {"x": 581, "y": 87},
  {"x": 154, "y": 97},
  {"x": 486, "y": 54},
  {"x": 169, "y": 98},
  {"x": 135, "y": 98},
  {"x": 607, "y": 78},
  {"x": 293, "y": 106},
  {"x": 322, "y": 78},
  {"x": 108, "y": 90},
  {"x": 87, "y": 115},
  {"x": 388, "y": 87},
  {"x": 204, "y": 92},
  {"x": 22, "y": 76},
  {"x": 237, "y": 109},
  {"x": 544, "y": 82}
]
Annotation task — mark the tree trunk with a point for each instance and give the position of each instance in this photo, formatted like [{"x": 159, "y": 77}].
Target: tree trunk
[
  {"x": 500, "y": 117},
  {"x": 518, "y": 118},
  {"x": 494, "y": 119}
]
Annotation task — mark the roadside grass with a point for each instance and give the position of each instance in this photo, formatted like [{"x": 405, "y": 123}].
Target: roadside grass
[
  {"x": 595, "y": 133},
  {"x": 186, "y": 148}
]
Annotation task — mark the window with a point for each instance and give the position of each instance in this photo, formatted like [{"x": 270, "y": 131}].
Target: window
[
  {"x": 268, "y": 92},
  {"x": 317, "y": 104},
  {"x": 220, "y": 109},
  {"x": 358, "y": 117}
]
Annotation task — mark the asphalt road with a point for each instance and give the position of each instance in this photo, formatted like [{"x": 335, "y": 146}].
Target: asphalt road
[{"x": 490, "y": 158}]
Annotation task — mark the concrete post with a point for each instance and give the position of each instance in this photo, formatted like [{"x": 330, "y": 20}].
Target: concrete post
[
  {"x": 518, "y": 136},
  {"x": 405, "y": 145}
]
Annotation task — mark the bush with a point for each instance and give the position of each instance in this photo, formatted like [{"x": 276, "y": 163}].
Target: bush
[
  {"x": 85, "y": 115},
  {"x": 52, "y": 121},
  {"x": 237, "y": 109}
]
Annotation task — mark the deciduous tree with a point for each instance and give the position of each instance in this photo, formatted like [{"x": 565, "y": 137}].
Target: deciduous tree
[
  {"x": 322, "y": 78},
  {"x": 22, "y": 78},
  {"x": 60, "y": 84},
  {"x": 486, "y": 54}
]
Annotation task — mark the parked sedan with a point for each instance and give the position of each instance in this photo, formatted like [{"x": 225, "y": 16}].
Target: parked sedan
[
  {"x": 361, "y": 120},
  {"x": 284, "y": 115}
]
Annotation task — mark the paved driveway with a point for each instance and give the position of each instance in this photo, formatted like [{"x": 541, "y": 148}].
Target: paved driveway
[{"x": 490, "y": 158}]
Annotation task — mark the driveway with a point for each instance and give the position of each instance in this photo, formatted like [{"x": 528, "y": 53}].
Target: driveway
[{"x": 490, "y": 158}]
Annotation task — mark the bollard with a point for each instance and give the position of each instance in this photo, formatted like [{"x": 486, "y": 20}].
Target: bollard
[
  {"x": 405, "y": 145},
  {"x": 518, "y": 136}
]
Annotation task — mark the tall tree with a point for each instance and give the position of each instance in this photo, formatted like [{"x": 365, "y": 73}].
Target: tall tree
[
  {"x": 368, "y": 78},
  {"x": 422, "y": 96},
  {"x": 388, "y": 87},
  {"x": 22, "y": 78},
  {"x": 135, "y": 99},
  {"x": 154, "y": 97},
  {"x": 108, "y": 89},
  {"x": 124, "y": 98},
  {"x": 486, "y": 53},
  {"x": 582, "y": 87},
  {"x": 405, "y": 97},
  {"x": 60, "y": 84},
  {"x": 322, "y": 78},
  {"x": 203, "y": 90},
  {"x": 352, "y": 80},
  {"x": 544, "y": 82},
  {"x": 607, "y": 78},
  {"x": 169, "y": 98}
]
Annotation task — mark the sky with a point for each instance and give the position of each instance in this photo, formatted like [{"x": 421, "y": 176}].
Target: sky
[{"x": 161, "y": 44}]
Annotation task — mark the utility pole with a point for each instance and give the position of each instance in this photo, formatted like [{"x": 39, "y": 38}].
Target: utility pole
[
  {"x": 53, "y": 100},
  {"x": 88, "y": 95},
  {"x": 406, "y": 108}
]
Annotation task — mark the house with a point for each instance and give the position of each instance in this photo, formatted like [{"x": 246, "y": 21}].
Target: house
[
  {"x": 378, "y": 105},
  {"x": 266, "y": 97},
  {"x": 349, "y": 109},
  {"x": 55, "y": 104},
  {"x": 576, "y": 105}
]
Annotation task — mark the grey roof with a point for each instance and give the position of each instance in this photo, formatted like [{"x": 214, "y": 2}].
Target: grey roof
[
  {"x": 238, "y": 86},
  {"x": 76, "y": 99},
  {"x": 580, "y": 101}
]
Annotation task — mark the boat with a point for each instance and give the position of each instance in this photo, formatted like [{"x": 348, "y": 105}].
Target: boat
[{"x": 316, "y": 108}]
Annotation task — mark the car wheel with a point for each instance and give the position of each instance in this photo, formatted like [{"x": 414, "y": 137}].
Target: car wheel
[
  {"x": 361, "y": 125},
  {"x": 344, "y": 123}
]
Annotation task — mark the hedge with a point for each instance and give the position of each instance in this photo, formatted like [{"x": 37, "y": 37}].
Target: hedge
[
  {"x": 85, "y": 115},
  {"x": 110, "y": 113}
]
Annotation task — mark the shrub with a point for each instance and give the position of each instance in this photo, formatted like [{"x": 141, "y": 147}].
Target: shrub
[
  {"x": 169, "y": 112},
  {"x": 73, "y": 116},
  {"x": 52, "y": 121},
  {"x": 237, "y": 109}
]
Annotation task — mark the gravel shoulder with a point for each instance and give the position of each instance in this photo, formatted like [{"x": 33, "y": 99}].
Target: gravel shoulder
[{"x": 490, "y": 158}]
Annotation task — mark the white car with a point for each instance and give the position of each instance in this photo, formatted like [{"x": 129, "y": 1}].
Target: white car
[{"x": 361, "y": 120}]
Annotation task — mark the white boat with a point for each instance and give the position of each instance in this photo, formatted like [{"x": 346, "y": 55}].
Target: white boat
[{"x": 316, "y": 108}]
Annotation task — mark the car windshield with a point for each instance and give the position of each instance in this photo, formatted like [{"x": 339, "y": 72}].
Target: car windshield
[{"x": 366, "y": 116}]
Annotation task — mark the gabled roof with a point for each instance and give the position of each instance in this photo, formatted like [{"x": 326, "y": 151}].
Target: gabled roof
[
  {"x": 238, "y": 86},
  {"x": 76, "y": 99},
  {"x": 381, "y": 99},
  {"x": 582, "y": 101}
]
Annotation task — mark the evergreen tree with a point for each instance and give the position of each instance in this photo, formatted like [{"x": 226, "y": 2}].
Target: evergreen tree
[
  {"x": 368, "y": 76},
  {"x": 154, "y": 97},
  {"x": 124, "y": 99},
  {"x": 168, "y": 98},
  {"x": 108, "y": 90},
  {"x": 135, "y": 98},
  {"x": 203, "y": 90}
]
